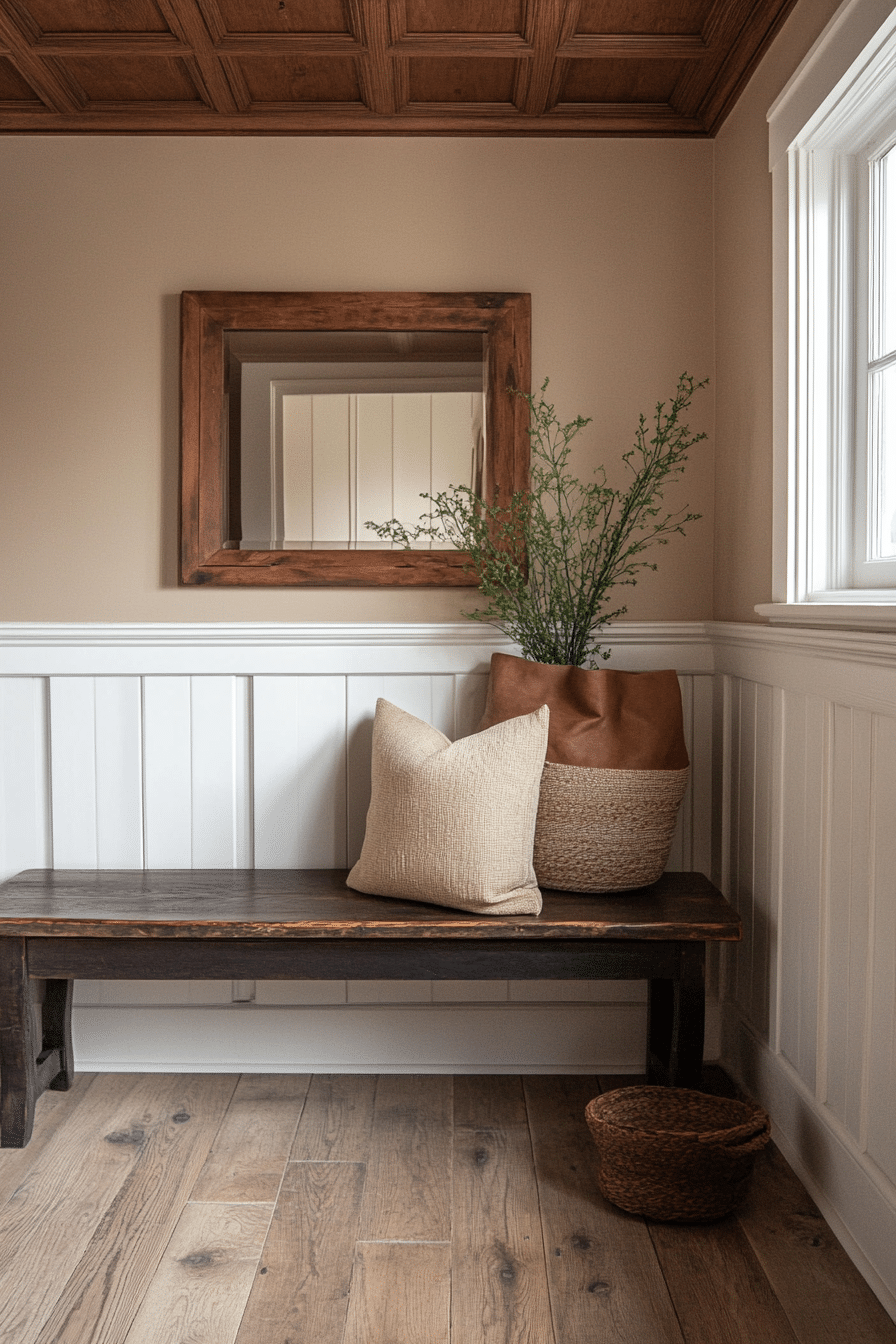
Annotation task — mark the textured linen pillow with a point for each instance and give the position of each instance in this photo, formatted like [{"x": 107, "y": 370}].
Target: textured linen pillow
[{"x": 453, "y": 823}]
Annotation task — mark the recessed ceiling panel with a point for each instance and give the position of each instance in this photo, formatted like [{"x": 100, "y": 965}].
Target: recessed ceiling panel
[
  {"x": 464, "y": 16},
  {"x": 298, "y": 79},
  {"x": 658, "y": 16},
  {"x": 618, "y": 82},
  {"x": 454, "y": 80},
  {"x": 284, "y": 16},
  {"x": 132, "y": 79},
  {"x": 96, "y": 16},
  {"x": 13, "y": 87}
]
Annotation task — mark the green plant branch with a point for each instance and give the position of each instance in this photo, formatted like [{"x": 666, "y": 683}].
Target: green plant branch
[{"x": 546, "y": 561}]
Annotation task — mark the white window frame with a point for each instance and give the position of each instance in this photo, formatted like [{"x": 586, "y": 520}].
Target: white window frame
[{"x": 820, "y": 131}]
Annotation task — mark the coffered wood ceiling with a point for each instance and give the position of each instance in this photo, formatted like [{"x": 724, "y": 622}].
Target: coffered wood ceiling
[{"x": 379, "y": 67}]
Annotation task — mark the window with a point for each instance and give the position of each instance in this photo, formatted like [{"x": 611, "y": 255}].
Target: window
[
  {"x": 875, "y": 539},
  {"x": 833, "y": 158}
]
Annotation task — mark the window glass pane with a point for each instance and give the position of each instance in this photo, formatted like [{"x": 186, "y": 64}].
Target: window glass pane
[
  {"x": 883, "y": 429},
  {"x": 887, "y": 258}
]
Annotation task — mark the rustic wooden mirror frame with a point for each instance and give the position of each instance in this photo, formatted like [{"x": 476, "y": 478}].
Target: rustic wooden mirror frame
[{"x": 207, "y": 554}]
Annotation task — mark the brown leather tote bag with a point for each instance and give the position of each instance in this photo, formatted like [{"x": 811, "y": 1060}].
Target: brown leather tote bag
[{"x": 615, "y": 772}]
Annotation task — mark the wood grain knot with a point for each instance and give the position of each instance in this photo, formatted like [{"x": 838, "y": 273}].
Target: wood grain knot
[
  {"x": 133, "y": 1135},
  {"x": 200, "y": 1259}
]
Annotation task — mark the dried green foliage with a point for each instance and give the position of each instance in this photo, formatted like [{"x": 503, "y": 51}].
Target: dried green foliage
[{"x": 546, "y": 562}]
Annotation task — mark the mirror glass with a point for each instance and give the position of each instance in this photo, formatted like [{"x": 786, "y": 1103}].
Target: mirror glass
[
  {"x": 327, "y": 430},
  {"x": 306, "y": 415}
]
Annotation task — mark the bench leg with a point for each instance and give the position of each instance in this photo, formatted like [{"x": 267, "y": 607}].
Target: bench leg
[
  {"x": 57, "y": 1032},
  {"x": 18, "y": 1048},
  {"x": 29, "y": 1063},
  {"x": 676, "y": 1011}
]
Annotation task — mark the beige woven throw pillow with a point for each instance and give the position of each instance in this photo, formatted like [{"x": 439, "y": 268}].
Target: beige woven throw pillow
[{"x": 453, "y": 823}]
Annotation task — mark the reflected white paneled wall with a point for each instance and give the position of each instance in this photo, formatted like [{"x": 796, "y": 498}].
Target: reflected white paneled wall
[
  {"x": 341, "y": 460},
  {"x": 222, "y": 747},
  {"x": 807, "y": 753}
]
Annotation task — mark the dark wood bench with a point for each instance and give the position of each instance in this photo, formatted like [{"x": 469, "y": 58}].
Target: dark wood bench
[{"x": 276, "y": 924}]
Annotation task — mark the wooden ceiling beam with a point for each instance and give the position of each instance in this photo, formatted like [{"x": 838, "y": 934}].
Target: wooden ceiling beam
[
  {"x": 110, "y": 44},
  {"x": 187, "y": 22},
  {"x": 547, "y": 25},
  {"x": 633, "y": 47},
  {"x": 370, "y": 25},
  {"x": 462, "y": 45},
  {"x": 290, "y": 44},
  {"x": 50, "y": 81}
]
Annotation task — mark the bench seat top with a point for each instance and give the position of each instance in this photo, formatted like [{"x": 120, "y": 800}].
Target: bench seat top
[{"x": 315, "y": 903}]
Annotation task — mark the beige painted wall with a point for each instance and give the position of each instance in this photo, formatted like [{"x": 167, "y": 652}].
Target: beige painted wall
[
  {"x": 99, "y": 236},
  {"x": 743, "y": 267}
]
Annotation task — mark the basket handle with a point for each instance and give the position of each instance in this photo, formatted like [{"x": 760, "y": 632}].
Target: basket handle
[{"x": 746, "y": 1138}]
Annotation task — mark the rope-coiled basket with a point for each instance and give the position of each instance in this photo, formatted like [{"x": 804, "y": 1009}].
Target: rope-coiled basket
[
  {"x": 605, "y": 830},
  {"x": 675, "y": 1155}
]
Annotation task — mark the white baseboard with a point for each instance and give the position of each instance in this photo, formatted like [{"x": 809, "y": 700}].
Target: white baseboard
[
  {"x": 368, "y": 1038},
  {"x": 857, "y": 1201}
]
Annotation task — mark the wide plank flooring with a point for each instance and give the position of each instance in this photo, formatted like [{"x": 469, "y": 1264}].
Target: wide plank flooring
[{"x": 353, "y": 1209}]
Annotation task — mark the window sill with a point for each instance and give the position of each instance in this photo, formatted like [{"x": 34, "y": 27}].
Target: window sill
[{"x": 873, "y": 611}]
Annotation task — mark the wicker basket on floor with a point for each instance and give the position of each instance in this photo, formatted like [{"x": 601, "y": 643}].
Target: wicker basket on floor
[{"x": 675, "y": 1155}]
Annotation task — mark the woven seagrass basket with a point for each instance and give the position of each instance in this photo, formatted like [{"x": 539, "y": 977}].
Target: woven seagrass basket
[
  {"x": 605, "y": 830},
  {"x": 675, "y": 1155}
]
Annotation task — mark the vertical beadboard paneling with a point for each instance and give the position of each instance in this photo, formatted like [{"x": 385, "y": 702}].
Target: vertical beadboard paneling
[
  {"x": 331, "y": 473},
  {"x": 168, "y": 784},
  {"x": 119, "y": 772},
  {"x": 297, "y": 456},
  {"x": 25, "y": 840},
  {"x": 848, "y": 913},
  {"x": 96, "y": 772},
  {"x": 881, "y": 1074},
  {"x": 744, "y": 731},
  {"x": 763, "y": 934},
  {"x": 374, "y": 458},
  {"x": 299, "y": 771},
  {"x": 803, "y": 812},
  {"x": 219, "y": 755},
  {"x": 73, "y": 772},
  {"x": 411, "y": 459}
]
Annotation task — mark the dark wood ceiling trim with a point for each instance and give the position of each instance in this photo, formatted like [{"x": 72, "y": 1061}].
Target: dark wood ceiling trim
[
  {"x": 401, "y": 77},
  {"x": 111, "y": 44},
  {"x": 237, "y": 81},
  {"x": 290, "y": 44},
  {"x": 50, "y": 81},
  {"x": 213, "y": 19},
  {"x": 370, "y": 26},
  {"x": 633, "y": 46},
  {"x": 546, "y": 24},
  {"x": 569, "y": 119},
  {"x": 187, "y": 22},
  {"x": 462, "y": 45},
  {"x": 741, "y": 58}
]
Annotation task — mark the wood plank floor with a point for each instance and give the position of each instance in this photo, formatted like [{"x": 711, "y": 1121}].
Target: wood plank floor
[{"x": 350, "y": 1209}]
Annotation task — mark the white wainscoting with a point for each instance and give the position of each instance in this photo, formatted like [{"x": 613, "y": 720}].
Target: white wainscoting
[
  {"x": 806, "y": 755},
  {"x": 249, "y": 746}
]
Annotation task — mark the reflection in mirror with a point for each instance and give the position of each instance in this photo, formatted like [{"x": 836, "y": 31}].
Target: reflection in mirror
[
  {"x": 304, "y": 415},
  {"x": 330, "y": 429}
]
